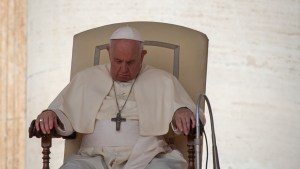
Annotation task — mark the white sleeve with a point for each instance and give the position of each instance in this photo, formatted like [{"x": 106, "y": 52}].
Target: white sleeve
[{"x": 67, "y": 126}]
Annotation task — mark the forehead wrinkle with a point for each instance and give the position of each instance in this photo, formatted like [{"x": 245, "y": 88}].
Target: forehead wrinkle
[{"x": 125, "y": 50}]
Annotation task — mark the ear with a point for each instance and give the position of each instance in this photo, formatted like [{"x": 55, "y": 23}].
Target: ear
[{"x": 144, "y": 52}]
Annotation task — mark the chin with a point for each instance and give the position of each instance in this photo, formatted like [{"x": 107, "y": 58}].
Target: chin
[{"x": 124, "y": 79}]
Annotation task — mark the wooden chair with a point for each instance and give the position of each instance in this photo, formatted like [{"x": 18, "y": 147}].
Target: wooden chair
[{"x": 176, "y": 49}]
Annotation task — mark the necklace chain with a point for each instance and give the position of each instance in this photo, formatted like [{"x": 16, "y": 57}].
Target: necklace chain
[{"x": 119, "y": 110}]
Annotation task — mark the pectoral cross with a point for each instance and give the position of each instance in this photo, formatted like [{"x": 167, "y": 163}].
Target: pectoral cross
[{"x": 118, "y": 119}]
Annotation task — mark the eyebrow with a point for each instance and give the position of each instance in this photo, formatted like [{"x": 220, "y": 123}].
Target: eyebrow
[{"x": 132, "y": 60}]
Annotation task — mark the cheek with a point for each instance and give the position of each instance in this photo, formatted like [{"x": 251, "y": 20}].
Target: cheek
[
  {"x": 115, "y": 66},
  {"x": 135, "y": 70},
  {"x": 114, "y": 69}
]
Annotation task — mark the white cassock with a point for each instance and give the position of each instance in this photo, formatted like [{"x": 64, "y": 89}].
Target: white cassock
[{"x": 88, "y": 103}]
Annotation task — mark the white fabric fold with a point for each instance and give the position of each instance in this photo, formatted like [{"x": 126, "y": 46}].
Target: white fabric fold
[
  {"x": 67, "y": 129},
  {"x": 158, "y": 94},
  {"x": 145, "y": 150},
  {"x": 105, "y": 135}
]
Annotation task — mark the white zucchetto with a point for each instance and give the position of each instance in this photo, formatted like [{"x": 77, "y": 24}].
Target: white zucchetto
[{"x": 127, "y": 33}]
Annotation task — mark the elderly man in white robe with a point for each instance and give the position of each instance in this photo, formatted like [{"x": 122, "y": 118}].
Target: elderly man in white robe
[{"x": 123, "y": 110}]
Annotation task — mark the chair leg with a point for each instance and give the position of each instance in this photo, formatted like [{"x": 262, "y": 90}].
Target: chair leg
[
  {"x": 46, "y": 144},
  {"x": 191, "y": 152}
]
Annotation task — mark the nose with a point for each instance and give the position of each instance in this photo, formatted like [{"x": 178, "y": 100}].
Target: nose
[{"x": 124, "y": 67}]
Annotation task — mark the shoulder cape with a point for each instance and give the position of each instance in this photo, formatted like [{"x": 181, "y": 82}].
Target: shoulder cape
[{"x": 158, "y": 94}]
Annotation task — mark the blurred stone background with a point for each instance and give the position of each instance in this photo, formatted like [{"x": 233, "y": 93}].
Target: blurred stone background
[{"x": 253, "y": 79}]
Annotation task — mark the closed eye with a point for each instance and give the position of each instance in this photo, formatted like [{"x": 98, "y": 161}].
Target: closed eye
[
  {"x": 130, "y": 62},
  {"x": 118, "y": 60}
]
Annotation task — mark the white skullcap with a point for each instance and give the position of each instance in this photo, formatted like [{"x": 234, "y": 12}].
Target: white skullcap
[{"x": 127, "y": 33}]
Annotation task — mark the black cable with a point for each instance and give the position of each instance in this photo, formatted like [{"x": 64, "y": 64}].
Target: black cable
[
  {"x": 213, "y": 136},
  {"x": 216, "y": 164},
  {"x": 206, "y": 148}
]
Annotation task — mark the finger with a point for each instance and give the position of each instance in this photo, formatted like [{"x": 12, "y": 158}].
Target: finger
[
  {"x": 179, "y": 124},
  {"x": 46, "y": 125},
  {"x": 193, "y": 121},
  {"x": 188, "y": 123},
  {"x": 55, "y": 122},
  {"x": 51, "y": 121},
  {"x": 185, "y": 129},
  {"x": 41, "y": 123}
]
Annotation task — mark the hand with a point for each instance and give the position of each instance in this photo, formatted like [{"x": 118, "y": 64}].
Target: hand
[
  {"x": 182, "y": 118},
  {"x": 46, "y": 121}
]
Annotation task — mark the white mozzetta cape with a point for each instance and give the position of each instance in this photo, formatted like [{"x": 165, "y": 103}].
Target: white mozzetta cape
[{"x": 158, "y": 94}]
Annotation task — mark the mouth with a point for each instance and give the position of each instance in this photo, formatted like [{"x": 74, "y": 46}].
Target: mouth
[{"x": 124, "y": 77}]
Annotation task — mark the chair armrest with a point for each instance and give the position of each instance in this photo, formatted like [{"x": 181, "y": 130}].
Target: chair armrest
[
  {"x": 38, "y": 134},
  {"x": 46, "y": 141}
]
